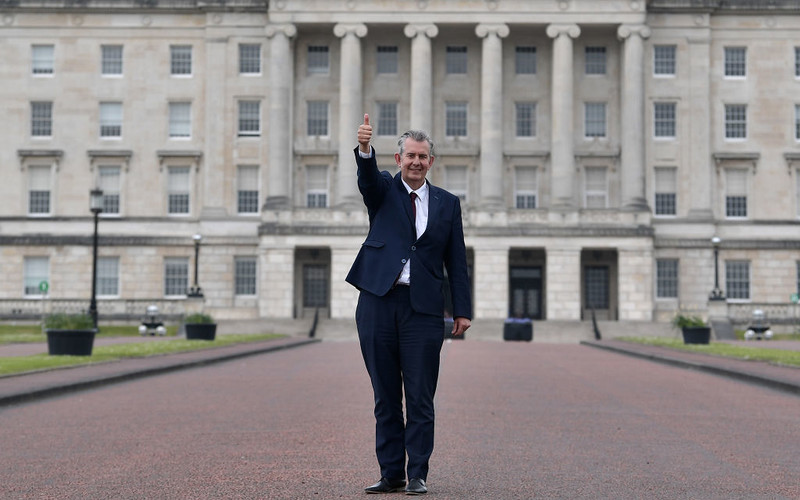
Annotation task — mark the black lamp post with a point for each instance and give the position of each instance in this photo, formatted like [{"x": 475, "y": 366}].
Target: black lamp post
[
  {"x": 195, "y": 290},
  {"x": 96, "y": 206},
  {"x": 716, "y": 293}
]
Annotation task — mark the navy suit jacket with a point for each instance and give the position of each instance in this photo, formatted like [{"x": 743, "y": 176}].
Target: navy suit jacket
[{"x": 392, "y": 240}]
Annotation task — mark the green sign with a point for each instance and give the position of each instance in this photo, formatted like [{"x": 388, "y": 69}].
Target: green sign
[
  {"x": 795, "y": 298},
  {"x": 44, "y": 286}
]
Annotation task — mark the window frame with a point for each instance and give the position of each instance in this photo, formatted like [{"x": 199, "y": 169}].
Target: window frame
[
  {"x": 249, "y": 194},
  {"x": 183, "y": 262},
  {"x": 525, "y": 124},
  {"x": 673, "y": 194},
  {"x": 387, "y": 122},
  {"x": 732, "y": 292},
  {"x": 587, "y": 120},
  {"x": 45, "y": 123},
  {"x": 731, "y": 124},
  {"x": 26, "y": 276},
  {"x": 665, "y": 127},
  {"x": 317, "y": 196},
  {"x": 456, "y": 60},
  {"x": 242, "y": 285},
  {"x": 44, "y": 62},
  {"x": 450, "y": 177},
  {"x": 113, "y": 123},
  {"x": 108, "y": 192},
  {"x": 587, "y": 192},
  {"x": 178, "y": 66},
  {"x": 731, "y": 67},
  {"x": 387, "y": 59},
  {"x": 315, "y": 121},
  {"x": 526, "y": 194},
  {"x": 667, "y": 283},
  {"x": 314, "y": 64},
  {"x": 39, "y": 167},
  {"x": 665, "y": 61},
  {"x": 245, "y": 60},
  {"x": 102, "y": 281},
  {"x": 526, "y": 58},
  {"x": 453, "y": 119},
  {"x": 108, "y": 59},
  {"x": 176, "y": 124},
  {"x": 728, "y": 198},
  {"x": 594, "y": 64},
  {"x": 174, "y": 192},
  {"x": 248, "y": 121}
]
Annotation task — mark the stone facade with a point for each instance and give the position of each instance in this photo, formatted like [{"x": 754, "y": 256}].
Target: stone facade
[{"x": 585, "y": 236}]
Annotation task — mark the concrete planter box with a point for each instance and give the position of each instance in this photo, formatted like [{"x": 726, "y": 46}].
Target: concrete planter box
[{"x": 70, "y": 342}]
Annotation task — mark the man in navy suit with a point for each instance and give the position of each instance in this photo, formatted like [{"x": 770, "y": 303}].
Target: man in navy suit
[{"x": 415, "y": 232}]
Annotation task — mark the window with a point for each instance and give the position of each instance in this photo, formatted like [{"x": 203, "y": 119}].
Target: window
[
  {"x": 39, "y": 189},
  {"x": 317, "y": 119},
  {"x": 37, "y": 270},
  {"x": 317, "y": 186},
  {"x": 180, "y": 120},
  {"x": 456, "y": 181},
  {"x": 797, "y": 265},
  {"x": 108, "y": 276},
  {"x": 664, "y": 60},
  {"x": 41, "y": 119},
  {"x": 735, "y": 61},
  {"x": 249, "y": 59},
  {"x": 797, "y": 122},
  {"x": 667, "y": 278},
  {"x": 109, "y": 181},
  {"x": 387, "y": 118},
  {"x": 797, "y": 61},
  {"x": 386, "y": 60},
  {"x": 318, "y": 60},
  {"x": 526, "y": 119},
  {"x": 247, "y": 189},
  {"x": 178, "y": 190},
  {"x": 595, "y": 119},
  {"x": 456, "y": 60},
  {"x": 456, "y": 119},
  {"x": 42, "y": 59},
  {"x": 737, "y": 279},
  {"x": 797, "y": 192},
  {"x": 110, "y": 119},
  {"x": 664, "y": 120},
  {"x": 596, "y": 195},
  {"x": 735, "y": 121},
  {"x": 180, "y": 60},
  {"x": 736, "y": 193},
  {"x": 525, "y": 60},
  {"x": 176, "y": 276},
  {"x": 595, "y": 60},
  {"x": 249, "y": 118},
  {"x": 111, "y": 60},
  {"x": 244, "y": 276},
  {"x": 525, "y": 187},
  {"x": 665, "y": 191}
]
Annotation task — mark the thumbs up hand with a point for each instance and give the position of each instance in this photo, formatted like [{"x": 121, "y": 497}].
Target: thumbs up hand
[{"x": 365, "y": 135}]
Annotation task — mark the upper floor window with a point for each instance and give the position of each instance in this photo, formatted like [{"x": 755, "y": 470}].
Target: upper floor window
[
  {"x": 667, "y": 278},
  {"x": 247, "y": 189},
  {"x": 735, "y": 121},
  {"x": 737, "y": 279},
  {"x": 386, "y": 61},
  {"x": 456, "y": 60},
  {"x": 111, "y": 60},
  {"x": 108, "y": 276},
  {"x": 797, "y": 62},
  {"x": 664, "y": 120},
  {"x": 456, "y": 181},
  {"x": 41, "y": 119},
  {"x": 525, "y": 60},
  {"x": 797, "y": 122},
  {"x": 249, "y": 59},
  {"x": 664, "y": 60},
  {"x": 526, "y": 119},
  {"x": 178, "y": 190},
  {"x": 109, "y": 180},
  {"x": 596, "y": 188},
  {"x": 111, "y": 119},
  {"x": 595, "y": 60},
  {"x": 43, "y": 59},
  {"x": 317, "y": 186},
  {"x": 180, "y": 60},
  {"x": 736, "y": 193},
  {"x": 39, "y": 187},
  {"x": 317, "y": 119},
  {"x": 735, "y": 61},
  {"x": 180, "y": 120},
  {"x": 37, "y": 271},
  {"x": 387, "y": 118},
  {"x": 455, "y": 119},
  {"x": 318, "y": 60},
  {"x": 665, "y": 191},
  {"x": 594, "y": 119},
  {"x": 249, "y": 118},
  {"x": 525, "y": 187}
]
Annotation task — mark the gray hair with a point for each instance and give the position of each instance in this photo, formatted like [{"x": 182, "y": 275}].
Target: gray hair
[{"x": 415, "y": 135}]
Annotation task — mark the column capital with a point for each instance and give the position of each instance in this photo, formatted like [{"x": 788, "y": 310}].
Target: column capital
[
  {"x": 626, "y": 30},
  {"x": 556, "y": 30},
  {"x": 289, "y": 30},
  {"x": 428, "y": 30},
  {"x": 341, "y": 30},
  {"x": 485, "y": 29}
]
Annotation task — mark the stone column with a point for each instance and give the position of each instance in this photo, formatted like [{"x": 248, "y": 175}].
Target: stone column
[
  {"x": 562, "y": 156},
  {"x": 421, "y": 75},
  {"x": 276, "y": 278},
  {"x": 632, "y": 103},
  {"x": 698, "y": 122},
  {"x": 351, "y": 111},
  {"x": 491, "y": 283},
  {"x": 563, "y": 284},
  {"x": 344, "y": 297},
  {"x": 491, "y": 166},
  {"x": 635, "y": 284},
  {"x": 279, "y": 159}
]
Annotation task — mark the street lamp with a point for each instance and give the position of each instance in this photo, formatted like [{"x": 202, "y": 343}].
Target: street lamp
[
  {"x": 716, "y": 293},
  {"x": 195, "y": 290},
  {"x": 96, "y": 206}
]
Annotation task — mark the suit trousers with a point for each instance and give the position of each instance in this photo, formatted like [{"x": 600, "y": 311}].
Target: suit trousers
[{"x": 401, "y": 351}]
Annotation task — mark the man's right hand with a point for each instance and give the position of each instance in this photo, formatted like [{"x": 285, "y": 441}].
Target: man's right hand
[{"x": 365, "y": 135}]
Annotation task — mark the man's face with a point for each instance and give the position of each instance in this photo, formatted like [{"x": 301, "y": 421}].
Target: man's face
[{"x": 415, "y": 162}]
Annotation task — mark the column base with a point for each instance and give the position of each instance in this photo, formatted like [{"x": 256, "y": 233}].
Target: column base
[{"x": 276, "y": 203}]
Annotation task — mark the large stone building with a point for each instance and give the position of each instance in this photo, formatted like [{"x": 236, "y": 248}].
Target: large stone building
[{"x": 597, "y": 147}]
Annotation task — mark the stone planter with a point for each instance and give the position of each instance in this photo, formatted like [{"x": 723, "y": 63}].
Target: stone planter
[
  {"x": 201, "y": 331},
  {"x": 70, "y": 342},
  {"x": 696, "y": 334}
]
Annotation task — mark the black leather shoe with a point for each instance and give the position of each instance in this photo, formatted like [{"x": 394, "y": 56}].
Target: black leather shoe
[
  {"x": 386, "y": 486},
  {"x": 416, "y": 487}
]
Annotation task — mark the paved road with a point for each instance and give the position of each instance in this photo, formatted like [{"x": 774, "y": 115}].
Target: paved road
[{"x": 514, "y": 421}]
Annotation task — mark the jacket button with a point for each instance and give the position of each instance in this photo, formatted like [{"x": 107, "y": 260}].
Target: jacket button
[
  {"x": 413, "y": 249},
  {"x": 403, "y": 261}
]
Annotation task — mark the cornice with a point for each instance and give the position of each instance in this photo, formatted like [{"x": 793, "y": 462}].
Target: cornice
[{"x": 104, "y": 6}]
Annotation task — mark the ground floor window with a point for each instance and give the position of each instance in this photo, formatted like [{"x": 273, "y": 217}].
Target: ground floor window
[{"x": 315, "y": 285}]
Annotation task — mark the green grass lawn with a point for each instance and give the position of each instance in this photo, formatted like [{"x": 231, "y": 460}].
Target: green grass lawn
[
  {"x": 20, "y": 364},
  {"x": 32, "y": 333},
  {"x": 776, "y": 356}
]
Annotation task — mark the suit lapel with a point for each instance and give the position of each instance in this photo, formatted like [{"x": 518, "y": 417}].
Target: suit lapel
[
  {"x": 405, "y": 200},
  {"x": 434, "y": 205}
]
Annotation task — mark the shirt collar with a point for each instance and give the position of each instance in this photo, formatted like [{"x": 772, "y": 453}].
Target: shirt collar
[{"x": 422, "y": 192}]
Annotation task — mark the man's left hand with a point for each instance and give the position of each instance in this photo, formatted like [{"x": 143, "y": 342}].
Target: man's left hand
[{"x": 460, "y": 326}]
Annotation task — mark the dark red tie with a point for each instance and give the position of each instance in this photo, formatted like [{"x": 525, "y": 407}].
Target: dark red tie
[{"x": 414, "y": 206}]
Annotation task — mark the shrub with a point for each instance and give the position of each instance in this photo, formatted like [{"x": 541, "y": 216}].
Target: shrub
[
  {"x": 198, "y": 319},
  {"x": 63, "y": 321},
  {"x": 682, "y": 320}
]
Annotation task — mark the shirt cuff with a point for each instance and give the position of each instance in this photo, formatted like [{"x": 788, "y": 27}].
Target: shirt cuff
[{"x": 366, "y": 155}]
